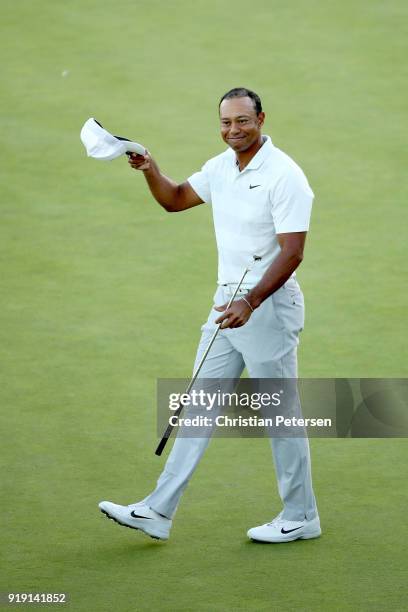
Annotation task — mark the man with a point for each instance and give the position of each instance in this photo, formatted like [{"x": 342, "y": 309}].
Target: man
[{"x": 261, "y": 204}]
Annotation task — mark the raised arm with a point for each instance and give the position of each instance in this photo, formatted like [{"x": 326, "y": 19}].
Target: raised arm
[{"x": 171, "y": 196}]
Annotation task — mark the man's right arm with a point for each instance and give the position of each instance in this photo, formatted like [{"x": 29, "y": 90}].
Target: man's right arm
[{"x": 168, "y": 193}]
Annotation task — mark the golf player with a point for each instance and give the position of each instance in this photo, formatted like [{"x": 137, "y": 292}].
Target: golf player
[{"x": 261, "y": 203}]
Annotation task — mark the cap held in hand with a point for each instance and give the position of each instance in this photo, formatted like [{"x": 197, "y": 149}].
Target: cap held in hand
[{"x": 100, "y": 144}]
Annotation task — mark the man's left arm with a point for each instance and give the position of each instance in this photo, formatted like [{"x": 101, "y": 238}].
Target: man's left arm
[{"x": 292, "y": 247}]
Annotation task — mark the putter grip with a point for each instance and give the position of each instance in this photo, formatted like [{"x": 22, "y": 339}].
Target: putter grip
[
  {"x": 160, "y": 447},
  {"x": 167, "y": 433}
]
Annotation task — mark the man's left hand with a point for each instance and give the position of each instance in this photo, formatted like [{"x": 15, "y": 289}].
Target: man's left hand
[{"x": 235, "y": 316}]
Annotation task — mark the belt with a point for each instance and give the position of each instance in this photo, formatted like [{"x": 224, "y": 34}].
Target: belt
[
  {"x": 251, "y": 285},
  {"x": 233, "y": 285}
]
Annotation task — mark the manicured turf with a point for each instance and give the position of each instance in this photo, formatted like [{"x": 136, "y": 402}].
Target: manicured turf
[{"x": 103, "y": 293}]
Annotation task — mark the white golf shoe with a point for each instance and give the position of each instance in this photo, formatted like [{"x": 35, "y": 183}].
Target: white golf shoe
[
  {"x": 138, "y": 516},
  {"x": 281, "y": 530}
]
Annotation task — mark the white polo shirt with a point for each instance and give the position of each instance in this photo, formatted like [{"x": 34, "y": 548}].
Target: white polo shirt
[{"x": 270, "y": 196}]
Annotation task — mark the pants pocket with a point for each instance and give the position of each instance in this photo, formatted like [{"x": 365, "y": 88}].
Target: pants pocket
[{"x": 289, "y": 307}]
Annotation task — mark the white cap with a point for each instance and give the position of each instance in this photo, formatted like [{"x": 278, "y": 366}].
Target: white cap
[{"x": 100, "y": 144}]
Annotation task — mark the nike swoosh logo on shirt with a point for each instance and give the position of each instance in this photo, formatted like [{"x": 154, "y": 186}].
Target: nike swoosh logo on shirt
[
  {"x": 290, "y": 530},
  {"x": 253, "y": 186}
]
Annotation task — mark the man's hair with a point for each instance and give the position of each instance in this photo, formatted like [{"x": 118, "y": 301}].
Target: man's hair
[{"x": 243, "y": 92}]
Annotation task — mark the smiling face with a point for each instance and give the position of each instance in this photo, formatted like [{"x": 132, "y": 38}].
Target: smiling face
[{"x": 240, "y": 124}]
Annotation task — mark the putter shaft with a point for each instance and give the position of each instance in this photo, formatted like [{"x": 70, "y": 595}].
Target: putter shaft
[{"x": 177, "y": 412}]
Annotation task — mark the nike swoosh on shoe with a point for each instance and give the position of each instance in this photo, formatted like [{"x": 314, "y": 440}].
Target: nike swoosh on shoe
[
  {"x": 139, "y": 516},
  {"x": 290, "y": 530}
]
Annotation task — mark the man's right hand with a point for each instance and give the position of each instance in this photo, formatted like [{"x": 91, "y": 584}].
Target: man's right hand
[{"x": 140, "y": 162}]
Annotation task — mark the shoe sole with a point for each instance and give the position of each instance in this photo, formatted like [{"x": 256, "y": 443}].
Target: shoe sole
[
  {"x": 112, "y": 518},
  {"x": 302, "y": 537}
]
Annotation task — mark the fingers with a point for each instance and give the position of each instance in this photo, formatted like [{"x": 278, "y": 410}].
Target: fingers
[
  {"x": 228, "y": 319},
  {"x": 235, "y": 316},
  {"x": 223, "y": 320},
  {"x": 135, "y": 160},
  {"x": 224, "y": 317},
  {"x": 139, "y": 162}
]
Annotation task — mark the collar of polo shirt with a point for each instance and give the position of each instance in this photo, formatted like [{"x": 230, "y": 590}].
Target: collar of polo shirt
[{"x": 259, "y": 158}]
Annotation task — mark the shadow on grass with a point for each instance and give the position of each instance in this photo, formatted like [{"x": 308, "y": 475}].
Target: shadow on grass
[
  {"x": 298, "y": 545},
  {"x": 136, "y": 542}
]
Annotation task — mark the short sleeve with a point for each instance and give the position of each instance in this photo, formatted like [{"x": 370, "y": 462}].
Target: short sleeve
[
  {"x": 200, "y": 182},
  {"x": 291, "y": 202}
]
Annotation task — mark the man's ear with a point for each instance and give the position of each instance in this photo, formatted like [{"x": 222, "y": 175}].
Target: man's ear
[{"x": 261, "y": 119}]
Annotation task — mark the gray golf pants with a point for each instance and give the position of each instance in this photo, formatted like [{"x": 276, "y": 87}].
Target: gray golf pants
[{"x": 267, "y": 346}]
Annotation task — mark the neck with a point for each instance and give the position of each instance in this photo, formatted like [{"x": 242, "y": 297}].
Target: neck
[{"x": 244, "y": 157}]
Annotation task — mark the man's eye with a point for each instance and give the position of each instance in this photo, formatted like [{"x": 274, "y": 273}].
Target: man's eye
[{"x": 243, "y": 121}]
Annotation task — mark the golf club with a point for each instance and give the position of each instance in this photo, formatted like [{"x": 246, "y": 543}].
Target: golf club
[{"x": 177, "y": 412}]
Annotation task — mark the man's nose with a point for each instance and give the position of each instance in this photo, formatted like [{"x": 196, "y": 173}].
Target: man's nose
[{"x": 234, "y": 129}]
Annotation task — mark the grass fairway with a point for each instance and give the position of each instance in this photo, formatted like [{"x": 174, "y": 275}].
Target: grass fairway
[{"x": 103, "y": 292}]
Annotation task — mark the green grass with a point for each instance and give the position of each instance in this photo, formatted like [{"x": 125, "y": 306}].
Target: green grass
[{"x": 103, "y": 293}]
